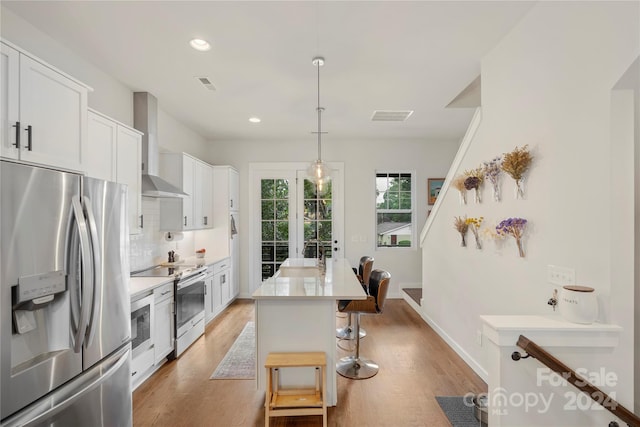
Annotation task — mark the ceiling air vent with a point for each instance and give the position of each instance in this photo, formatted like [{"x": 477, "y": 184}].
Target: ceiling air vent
[
  {"x": 206, "y": 83},
  {"x": 391, "y": 115}
]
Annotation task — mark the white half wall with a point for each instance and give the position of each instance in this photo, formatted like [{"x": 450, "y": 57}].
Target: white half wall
[
  {"x": 430, "y": 159},
  {"x": 547, "y": 84}
]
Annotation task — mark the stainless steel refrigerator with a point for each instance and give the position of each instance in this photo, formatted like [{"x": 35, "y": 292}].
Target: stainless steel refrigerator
[{"x": 65, "y": 352}]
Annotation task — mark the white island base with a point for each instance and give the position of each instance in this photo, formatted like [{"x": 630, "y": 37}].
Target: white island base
[{"x": 298, "y": 314}]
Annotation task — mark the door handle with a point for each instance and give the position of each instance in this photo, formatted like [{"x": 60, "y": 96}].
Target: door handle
[
  {"x": 97, "y": 278},
  {"x": 87, "y": 272},
  {"x": 185, "y": 220}
]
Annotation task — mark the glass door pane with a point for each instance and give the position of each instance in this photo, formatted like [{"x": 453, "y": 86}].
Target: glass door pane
[
  {"x": 274, "y": 217},
  {"x": 317, "y": 218}
]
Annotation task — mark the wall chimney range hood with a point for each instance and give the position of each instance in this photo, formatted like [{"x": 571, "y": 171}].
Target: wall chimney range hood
[{"x": 145, "y": 119}]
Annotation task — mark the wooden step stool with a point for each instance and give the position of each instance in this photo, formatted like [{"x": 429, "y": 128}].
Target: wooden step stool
[{"x": 293, "y": 402}]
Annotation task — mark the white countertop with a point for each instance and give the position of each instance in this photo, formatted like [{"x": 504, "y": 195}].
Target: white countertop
[
  {"x": 138, "y": 286},
  {"x": 338, "y": 283}
]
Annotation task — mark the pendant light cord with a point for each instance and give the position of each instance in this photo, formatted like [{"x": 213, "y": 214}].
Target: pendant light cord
[{"x": 319, "y": 109}]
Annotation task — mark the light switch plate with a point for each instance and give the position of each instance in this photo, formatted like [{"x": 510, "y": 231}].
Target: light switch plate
[{"x": 561, "y": 276}]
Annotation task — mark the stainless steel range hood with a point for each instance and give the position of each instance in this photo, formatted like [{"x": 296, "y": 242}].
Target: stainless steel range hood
[{"x": 145, "y": 119}]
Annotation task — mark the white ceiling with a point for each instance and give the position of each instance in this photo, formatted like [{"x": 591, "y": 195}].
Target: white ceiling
[{"x": 380, "y": 55}]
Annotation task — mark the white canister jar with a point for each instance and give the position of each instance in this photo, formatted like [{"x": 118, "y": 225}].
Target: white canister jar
[{"x": 578, "y": 304}]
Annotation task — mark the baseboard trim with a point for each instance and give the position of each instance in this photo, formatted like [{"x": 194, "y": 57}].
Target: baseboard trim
[{"x": 473, "y": 364}]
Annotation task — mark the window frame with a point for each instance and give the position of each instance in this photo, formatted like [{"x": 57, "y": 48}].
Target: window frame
[{"x": 412, "y": 211}]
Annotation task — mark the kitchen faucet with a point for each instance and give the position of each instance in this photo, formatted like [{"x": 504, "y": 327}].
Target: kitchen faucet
[{"x": 321, "y": 256}]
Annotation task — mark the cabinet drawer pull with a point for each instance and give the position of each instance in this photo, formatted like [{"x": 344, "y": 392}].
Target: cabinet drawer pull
[
  {"x": 17, "y": 143},
  {"x": 165, "y": 292},
  {"x": 29, "y": 136},
  {"x": 133, "y": 374}
]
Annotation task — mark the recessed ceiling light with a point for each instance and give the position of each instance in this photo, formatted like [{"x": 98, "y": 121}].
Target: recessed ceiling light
[
  {"x": 199, "y": 44},
  {"x": 255, "y": 120}
]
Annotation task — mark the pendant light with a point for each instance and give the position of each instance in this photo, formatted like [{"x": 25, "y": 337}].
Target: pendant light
[{"x": 318, "y": 171}]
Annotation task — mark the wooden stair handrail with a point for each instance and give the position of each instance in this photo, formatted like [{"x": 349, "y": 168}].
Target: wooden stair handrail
[{"x": 537, "y": 352}]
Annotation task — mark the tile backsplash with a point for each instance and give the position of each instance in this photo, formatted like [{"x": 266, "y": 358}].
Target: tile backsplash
[{"x": 151, "y": 247}]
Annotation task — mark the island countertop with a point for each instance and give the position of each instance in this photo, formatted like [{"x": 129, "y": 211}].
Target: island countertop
[{"x": 338, "y": 282}]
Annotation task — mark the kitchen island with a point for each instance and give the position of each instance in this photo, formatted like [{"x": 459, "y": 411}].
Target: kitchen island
[{"x": 296, "y": 312}]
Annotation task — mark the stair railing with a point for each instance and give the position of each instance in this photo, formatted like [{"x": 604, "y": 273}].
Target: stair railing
[{"x": 534, "y": 350}]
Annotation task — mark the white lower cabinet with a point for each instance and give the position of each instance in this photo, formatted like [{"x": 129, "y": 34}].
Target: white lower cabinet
[
  {"x": 163, "y": 330},
  {"x": 218, "y": 292},
  {"x": 209, "y": 312},
  {"x": 141, "y": 368},
  {"x": 222, "y": 284}
]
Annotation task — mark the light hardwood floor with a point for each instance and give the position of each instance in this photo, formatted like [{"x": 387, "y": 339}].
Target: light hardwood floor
[{"x": 415, "y": 366}]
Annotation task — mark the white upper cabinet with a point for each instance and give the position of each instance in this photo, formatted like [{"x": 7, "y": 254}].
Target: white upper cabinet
[
  {"x": 203, "y": 208},
  {"x": 115, "y": 154},
  {"x": 234, "y": 190},
  {"x": 194, "y": 177},
  {"x": 102, "y": 149},
  {"x": 226, "y": 190},
  {"x": 44, "y": 119},
  {"x": 129, "y": 172}
]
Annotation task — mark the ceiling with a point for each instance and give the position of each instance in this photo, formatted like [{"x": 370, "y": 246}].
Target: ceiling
[{"x": 380, "y": 55}]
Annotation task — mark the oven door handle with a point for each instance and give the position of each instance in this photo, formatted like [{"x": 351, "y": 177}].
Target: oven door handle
[{"x": 191, "y": 280}]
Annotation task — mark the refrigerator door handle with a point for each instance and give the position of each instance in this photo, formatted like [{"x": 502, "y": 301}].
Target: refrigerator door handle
[
  {"x": 97, "y": 278},
  {"x": 87, "y": 273}
]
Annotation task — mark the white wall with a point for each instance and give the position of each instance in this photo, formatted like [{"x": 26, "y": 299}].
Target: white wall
[
  {"x": 109, "y": 96},
  {"x": 547, "y": 84},
  {"x": 361, "y": 160},
  {"x": 114, "y": 99}
]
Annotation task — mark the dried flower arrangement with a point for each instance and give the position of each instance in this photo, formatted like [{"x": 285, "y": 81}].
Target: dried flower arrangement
[
  {"x": 458, "y": 184},
  {"x": 460, "y": 224},
  {"x": 492, "y": 172},
  {"x": 474, "y": 224},
  {"x": 513, "y": 227},
  {"x": 516, "y": 163},
  {"x": 473, "y": 181}
]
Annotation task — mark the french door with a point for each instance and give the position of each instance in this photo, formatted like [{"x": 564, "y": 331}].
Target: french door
[{"x": 292, "y": 218}]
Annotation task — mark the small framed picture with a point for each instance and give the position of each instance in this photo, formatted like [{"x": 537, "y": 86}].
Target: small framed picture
[{"x": 434, "y": 185}]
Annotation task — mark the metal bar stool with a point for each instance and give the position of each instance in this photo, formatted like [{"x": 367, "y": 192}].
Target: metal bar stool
[
  {"x": 363, "y": 274},
  {"x": 355, "y": 367}
]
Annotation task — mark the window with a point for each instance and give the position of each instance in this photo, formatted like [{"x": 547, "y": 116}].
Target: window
[{"x": 394, "y": 210}]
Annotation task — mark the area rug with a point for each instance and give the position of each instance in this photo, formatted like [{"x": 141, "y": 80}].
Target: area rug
[
  {"x": 459, "y": 414},
  {"x": 240, "y": 361}
]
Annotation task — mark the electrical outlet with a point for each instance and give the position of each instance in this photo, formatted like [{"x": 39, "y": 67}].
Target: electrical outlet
[
  {"x": 479, "y": 337},
  {"x": 561, "y": 275}
]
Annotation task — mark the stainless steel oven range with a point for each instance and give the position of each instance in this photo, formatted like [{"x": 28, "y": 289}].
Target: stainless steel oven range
[{"x": 189, "y": 302}]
